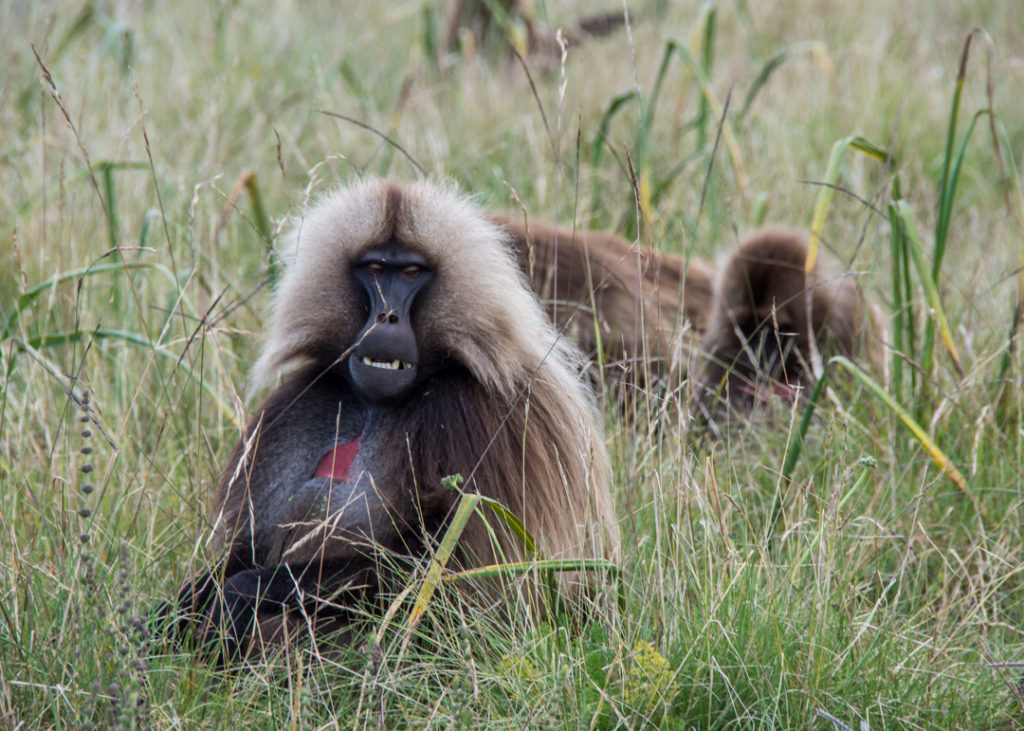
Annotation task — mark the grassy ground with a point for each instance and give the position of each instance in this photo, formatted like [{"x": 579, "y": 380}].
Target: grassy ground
[{"x": 133, "y": 270}]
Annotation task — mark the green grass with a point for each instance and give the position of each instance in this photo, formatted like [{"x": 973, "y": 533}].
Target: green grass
[{"x": 148, "y": 157}]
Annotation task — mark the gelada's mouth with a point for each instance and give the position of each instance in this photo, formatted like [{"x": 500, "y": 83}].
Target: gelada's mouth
[{"x": 388, "y": 365}]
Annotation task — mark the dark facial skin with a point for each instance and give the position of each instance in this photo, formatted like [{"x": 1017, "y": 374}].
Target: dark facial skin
[
  {"x": 385, "y": 363},
  {"x": 385, "y": 366}
]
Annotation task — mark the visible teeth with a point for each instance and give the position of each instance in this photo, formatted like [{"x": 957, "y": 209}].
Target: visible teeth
[{"x": 391, "y": 365}]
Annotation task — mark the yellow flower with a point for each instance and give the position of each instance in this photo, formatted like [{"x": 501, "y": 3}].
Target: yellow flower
[
  {"x": 648, "y": 678},
  {"x": 519, "y": 668}
]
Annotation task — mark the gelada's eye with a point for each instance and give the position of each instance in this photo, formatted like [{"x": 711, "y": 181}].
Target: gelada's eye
[
  {"x": 375, "y": 268},
  {"x": 411, "y": 271}
]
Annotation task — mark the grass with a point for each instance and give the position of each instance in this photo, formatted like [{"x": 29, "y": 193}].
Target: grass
[{"x": 150, "y": 153}]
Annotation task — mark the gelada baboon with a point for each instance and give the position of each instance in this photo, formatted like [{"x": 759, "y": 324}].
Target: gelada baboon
[
  {"x": 770, "y": 319},
  {"x": 480, "y": 22},
  {"x": 742, "y": 332},
  {"x": 416, "y": 350},
  {"x": 636, "y": 308}
]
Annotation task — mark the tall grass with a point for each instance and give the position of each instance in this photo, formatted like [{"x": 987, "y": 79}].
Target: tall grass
[{"x": 851, "y": 559}]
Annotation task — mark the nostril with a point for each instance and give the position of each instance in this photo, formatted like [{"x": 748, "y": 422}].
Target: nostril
[
  {"x": 392, "y": 318},
  {"x": 382, "y": 318}
]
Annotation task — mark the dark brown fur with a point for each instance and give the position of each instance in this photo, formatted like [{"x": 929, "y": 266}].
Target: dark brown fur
[
  {"x": 474, "y": 19},
  {"x": 735, "y": 329},
  {"x": 642, "y": 307},
  {"x": 499, "y": 401},
  {"x": 770, "y": 319}
]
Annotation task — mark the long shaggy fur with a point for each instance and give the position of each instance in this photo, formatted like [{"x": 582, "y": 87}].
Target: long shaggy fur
[
  {"x": 753, "y": 317},
  {"x": 771, "y": 319},
  {"x": 632, "y": 305},
  {"x": 507, "y": 408}
]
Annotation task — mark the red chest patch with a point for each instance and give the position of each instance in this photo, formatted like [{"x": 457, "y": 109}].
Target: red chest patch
[{"x": 336, "y": 462}]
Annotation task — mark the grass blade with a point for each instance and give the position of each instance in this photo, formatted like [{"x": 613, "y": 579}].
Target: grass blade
[
  {"x": 29, "y": 296},
  {"x": 614, "y": 106},
  {"x": 707, "y": 54},
  {"x": 1014, "y": 176},
  {"x": 716, "y": 106},
  {"x": 947, "y": 185},
  {"x": 466, "y": 507},
  {"x": 937, "y": 455},
  {"x": 828, "y": 190},
  {"x": 546, "y": 566},
  {"x": 796, "y": 445},
  {"x": 824, "y": 200},
  {"x": 947, "y": 192},
  {"x": 75, "y": 336},
  {"x": 107, "y": 173},
  {"x": 817, "y": 48},
  {"x": 513, "y": 522},
  {"x": 903, "y": 325},
  {"x": 909, "y": 227}
]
